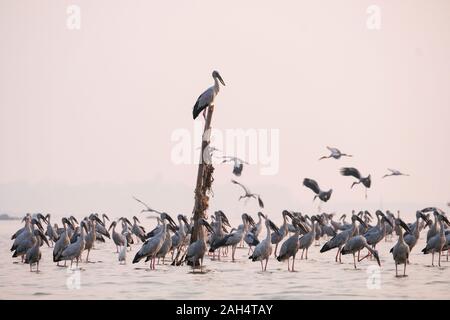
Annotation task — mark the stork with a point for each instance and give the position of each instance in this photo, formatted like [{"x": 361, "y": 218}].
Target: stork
[
  {"x": 206, "y": 99},
  {"x": 349, "y": 171},
  {"x": 249, "y": 194},
  {"x": 335, "y": 153},
  {"x": 394, "y": 172}
]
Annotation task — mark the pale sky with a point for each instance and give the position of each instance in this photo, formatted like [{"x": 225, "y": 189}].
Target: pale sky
[{"x": 86, "y": 116}]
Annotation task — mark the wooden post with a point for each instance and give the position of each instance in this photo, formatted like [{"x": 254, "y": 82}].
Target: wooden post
[{"x": 204, "y": 177}]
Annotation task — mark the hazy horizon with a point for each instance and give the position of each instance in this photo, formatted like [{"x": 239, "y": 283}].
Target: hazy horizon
[{"x": 86, "y": 116}]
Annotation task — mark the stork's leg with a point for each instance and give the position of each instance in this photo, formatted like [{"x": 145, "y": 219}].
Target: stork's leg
[
  {"x": 439, "y": 263},
  {"x": 354, "y": 260},
  {"x": 37, "y": 270},
  {"x": 201, "y": 264},
  {"x": 87, "y": 257},
  {"x": 31, "y": 270},
  {"x": 337, "y": 254},
  {"x": 233, "y": 249},
  {"x": 306, "y": 257},
  {"x": 396, "y": 271},
  {"x": 340, "y": 255},
  {"x": 303, "y": 251},
  {"x": 432, "y": 259},
  {"x": 265, "y": 267},
  {"x": 404, "y": 270},
  {"x": 117, "y": 248},
  {"x": 262, "y": 266},
  {"x": 293, "y": 261},
  {"x": 275, "y": 253}
]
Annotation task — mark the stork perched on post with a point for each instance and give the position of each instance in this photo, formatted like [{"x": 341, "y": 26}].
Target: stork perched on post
[{"x": 206, "y": 99}]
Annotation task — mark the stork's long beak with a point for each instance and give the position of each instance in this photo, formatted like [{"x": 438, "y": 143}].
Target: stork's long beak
[
  {"x": 361, "y": 221},
  {"x": 220, "y": 79},
  {"x": 300, "y": 225},
  {"x": 287, "y": 213},
  {"x": 169, "y": 218},
  {"x": 207, "y": 225},
  {"x": 273, "y": 226},
  {"x": 405, "y": 226},
  {"x": 44, "y": 238},
  {"x": 251, "y": 221}
]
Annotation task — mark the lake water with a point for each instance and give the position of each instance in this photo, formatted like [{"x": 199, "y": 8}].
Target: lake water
[{"x": 319, "y": 277}]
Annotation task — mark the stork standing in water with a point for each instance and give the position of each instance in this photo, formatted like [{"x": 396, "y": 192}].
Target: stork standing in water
[
  {"x": 151, "y": 247},
  {"x": 62, "y": 242},
  {"x": 74, "y": 250},
  {"x": 290, "y": 247},
  {"x": 400, "y": 251},
  {"x": 279, "y": 234},
  {"x": 249, "y": 194},
  {"x": 233, "y": 238},
  {"x": 335, "y": 153},
  {"x": 197, "y": 249},
  {"x": 339, "y": 240},
  {"x": 138, "y": 230},
  {"x": 206, "y": 99},
  {"x": 238, "y": 164},
  {"x": 437, "y": 242},
  {"x": 33, "y": 255},
  {"x": 412, "y": 237},
  {"x": 306, "y": 241},
  {"x": 394, "y": 172},
  {"x": 51, "y": 232},
  {"x": 251, "y": 238},
  {"x": 356, "y": 244},
  {"x": 264, "y": 249},
  {"x": 118, "y": 238},
  {"x": 366, "y": 181}
]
